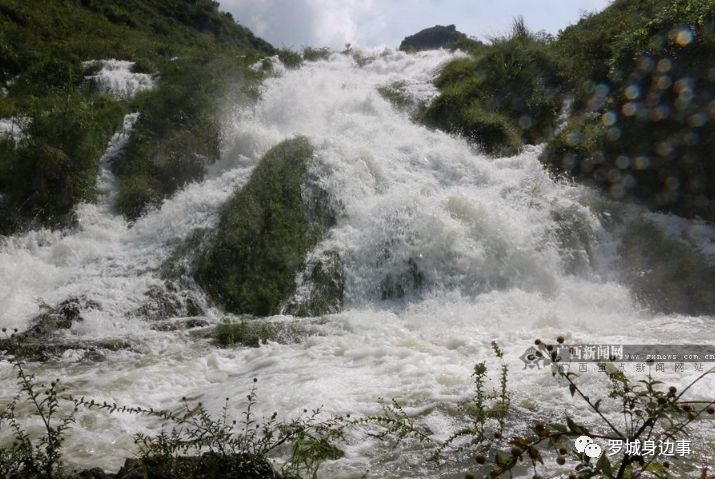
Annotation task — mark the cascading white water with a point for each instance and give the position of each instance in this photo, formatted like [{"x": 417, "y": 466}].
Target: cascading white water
[{"x": 486, "y": 236}]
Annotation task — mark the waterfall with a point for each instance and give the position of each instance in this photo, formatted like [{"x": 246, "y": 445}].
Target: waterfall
[{"x": 444, "y": 251}]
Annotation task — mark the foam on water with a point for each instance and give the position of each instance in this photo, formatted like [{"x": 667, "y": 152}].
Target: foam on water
[
  {"x": 116, "y": 77},
  {"x": 482, "y": 250}
]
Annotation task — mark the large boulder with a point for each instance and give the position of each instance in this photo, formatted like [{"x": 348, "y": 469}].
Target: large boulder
[
  {"x": 265, "y": 232},
  {"x": 432, "y": 38}
]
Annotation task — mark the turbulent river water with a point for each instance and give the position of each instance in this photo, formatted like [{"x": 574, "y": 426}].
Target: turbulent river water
[{"x": 505, "y": 252}]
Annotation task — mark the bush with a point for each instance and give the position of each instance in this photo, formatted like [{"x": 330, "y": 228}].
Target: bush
[
  {"x": 56, "y": 165},
  {"x": 42, "y": 46},
  {"x": 28, "y": 458},
  {"x": 453, "y": 111},
  {"x": 264, "y": 235},
  {"x": 576, "y": 149},
  {"x": 251, "y": 333},
  {"x": 314, "y": 54},
  {"x": 517, "y": 79},
  {"x": 198, "y": 445},
  {"x": 289, "y": 58},
  {"x": 178, "y": 133},
  {"x": 496, "y": 442},
  {"x": 588, "y": 47},
  {"x": 654, "y": 116}
]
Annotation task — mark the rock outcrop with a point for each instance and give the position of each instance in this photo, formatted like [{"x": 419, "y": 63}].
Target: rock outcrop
[{"x": 432, "y": 38}]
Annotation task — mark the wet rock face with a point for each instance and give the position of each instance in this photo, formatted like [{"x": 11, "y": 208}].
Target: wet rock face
[
  {"x": 432, "y": 38},
  {"x": 320, "y": 287},
  {"x": 409, "y": 280},
  {"x": 44, "y": 341},
  {"x": 176, "y": 300}
]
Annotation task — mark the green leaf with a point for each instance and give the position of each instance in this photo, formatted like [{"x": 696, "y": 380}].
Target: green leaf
[
  {"x": 657, "y": 469},
  {"x": 558, "y": 427},
  {"x": 502, "y": 461},
  {"x": 604, "y": 465},
  {"x": 575, "y": 428}
]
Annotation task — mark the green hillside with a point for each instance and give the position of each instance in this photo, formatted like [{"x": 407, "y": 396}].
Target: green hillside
[
  {"x": 191, "y": 49},
  {"x": 640, "y": 83}
]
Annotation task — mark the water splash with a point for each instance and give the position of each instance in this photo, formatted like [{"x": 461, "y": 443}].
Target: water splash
[{"x": 444, "y": 249}]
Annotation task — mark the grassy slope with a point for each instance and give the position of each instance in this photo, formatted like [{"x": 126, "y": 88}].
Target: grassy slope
[
  {"x": 644, "y": 126},
  {"x": 42, "y": 45},
  {"x": 641, "y": 78},
  {"x": 505, "y": 94}
]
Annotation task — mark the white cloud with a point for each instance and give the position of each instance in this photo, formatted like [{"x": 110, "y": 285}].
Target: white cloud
[{"x": 297, "y": 23}]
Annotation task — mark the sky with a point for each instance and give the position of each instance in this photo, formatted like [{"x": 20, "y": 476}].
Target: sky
[{"x": 374, "y": 23}]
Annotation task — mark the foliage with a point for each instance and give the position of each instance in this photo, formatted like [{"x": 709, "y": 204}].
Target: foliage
[
  {"x": 230, "y": 447},
  {"x": 452, "y": 111},
  {"x": 42, "y": 457},
  {"x": 55, "y": 165},
  {"x": 197, "y": 445},
  {"x": 178, "y": 133},
  {"x": 289, "y": 58},
  {"x": 576, "y": 148},
  {"x": 200, "y": 445},
  {"x": 589, "y": 46},
  {"x": 42, "y": 46},
  {"x": 654, "y": 107},
  {"x": 314, "y": 54},
  {"x": 400, "y": 98},
  {"x": 507, "y": 93},
  {"x": 251, "y": 333},
  {"x": 498, "y": 445},
  {"x": 264, "y": 235},
  {"x": 467, "y": 45}
]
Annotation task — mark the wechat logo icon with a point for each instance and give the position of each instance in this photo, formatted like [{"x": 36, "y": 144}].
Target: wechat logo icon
[{"x": 585, "y": 445}]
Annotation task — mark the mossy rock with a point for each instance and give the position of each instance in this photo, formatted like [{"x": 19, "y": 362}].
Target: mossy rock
[
  {"x": 432, "y": 38},
  {"x": 398, "y": 284},
  {"x": 254, "y": 332},
  {"x": 265, "y": 231},
  {"x": 174, "y": 300}
]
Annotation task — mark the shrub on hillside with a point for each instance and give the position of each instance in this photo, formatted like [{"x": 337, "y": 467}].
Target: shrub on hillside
[
  {"x": 55, "y": 166},
  {"x": 517, "y": 77},
  {"x": 656, "y": 116},
  {"x": 178, "y": 133}
]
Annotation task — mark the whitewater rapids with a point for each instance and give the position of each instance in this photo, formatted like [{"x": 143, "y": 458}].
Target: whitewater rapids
[{"x": 484, "y": 233}]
